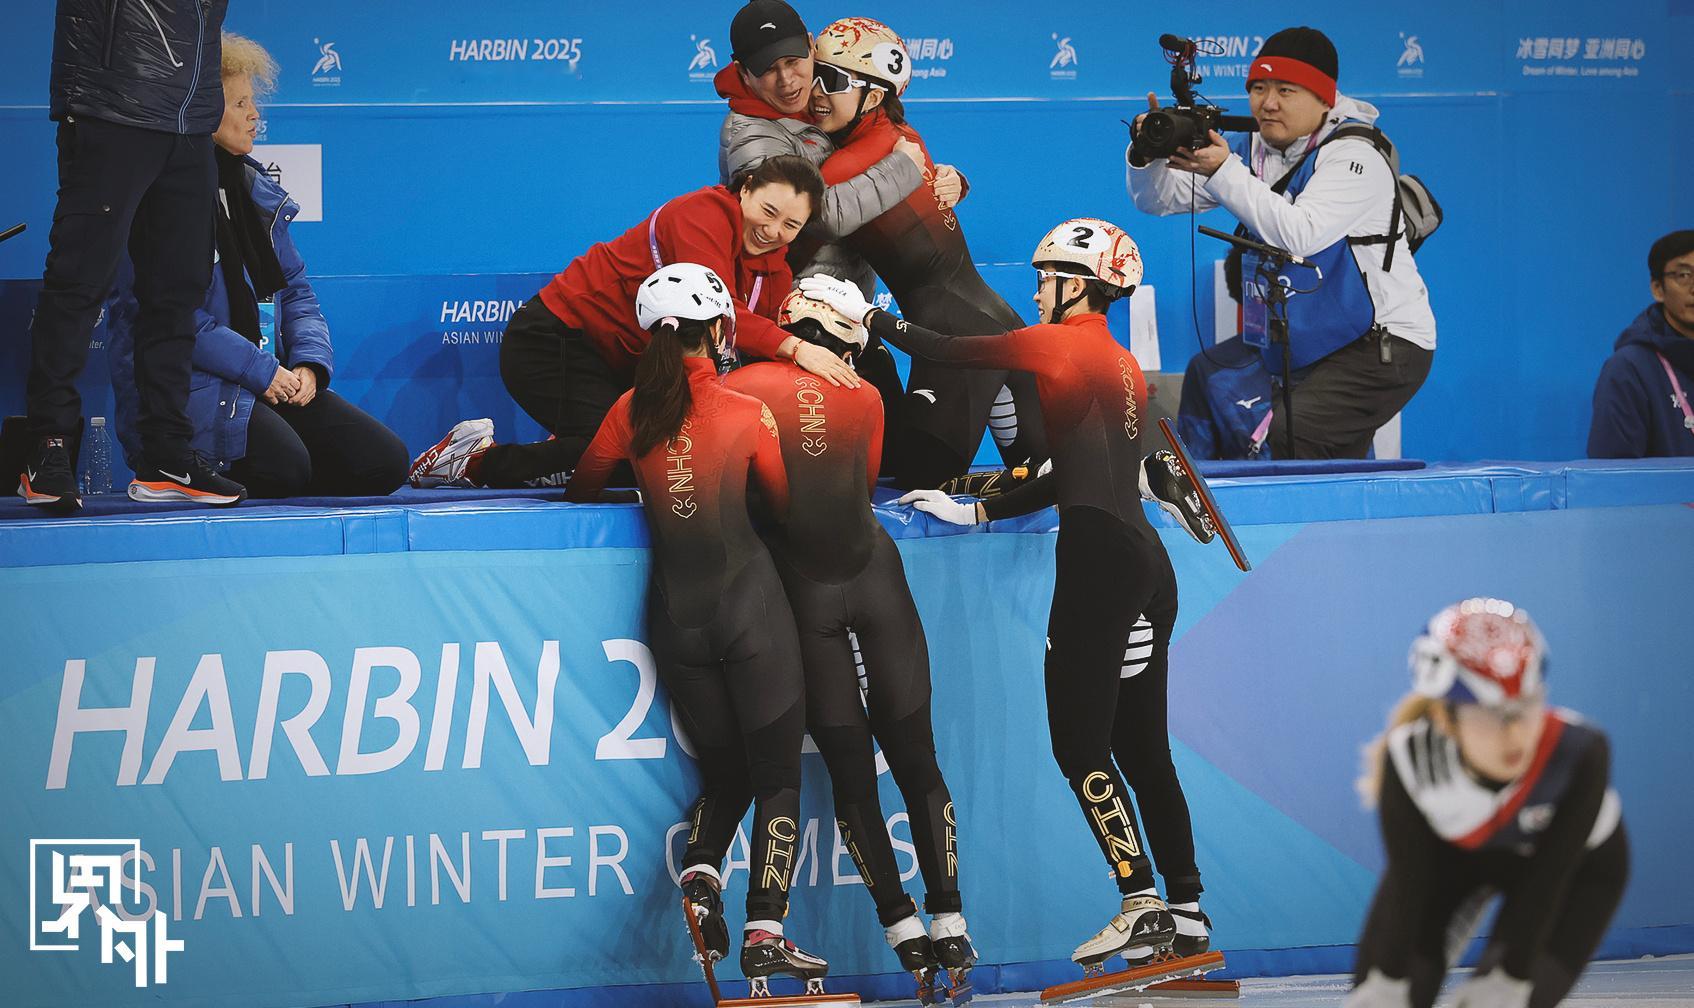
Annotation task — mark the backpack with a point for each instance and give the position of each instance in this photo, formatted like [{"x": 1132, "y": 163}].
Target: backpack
[{"x": 1416, "y": 214}]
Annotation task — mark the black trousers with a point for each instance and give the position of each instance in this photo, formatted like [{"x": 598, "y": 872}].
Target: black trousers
[
  {"x": 875, "y": 606},
  {"x": 938, "y": 424},
  {"x": 737, "y": 688},
  {"x": 562, "y": 382},
  {"x": 150, "y": 192},
  {"x": 1109, "y": 730},
  {"x": 1341, "y": 400},
  {"x": 326, "y": 448},
  {"x": 1468, "y": 881}
]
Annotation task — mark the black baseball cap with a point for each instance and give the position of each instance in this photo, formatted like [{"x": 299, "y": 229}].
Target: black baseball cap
[{"x": 765, "y": 31}]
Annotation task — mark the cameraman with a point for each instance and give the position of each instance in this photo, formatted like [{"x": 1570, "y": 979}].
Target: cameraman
[{"x": 1363, "y": 342}]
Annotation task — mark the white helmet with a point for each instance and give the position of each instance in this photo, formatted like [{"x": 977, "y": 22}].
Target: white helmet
[
  {"x": 798, "y": 306},
  {"x": 1100, "y": 249},
  {"x": 682, "y": 291},
  {"x": 868, "y": 48}
]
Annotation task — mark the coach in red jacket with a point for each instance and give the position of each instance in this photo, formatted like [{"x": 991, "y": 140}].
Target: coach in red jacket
[{"x": 569, "y": 352}]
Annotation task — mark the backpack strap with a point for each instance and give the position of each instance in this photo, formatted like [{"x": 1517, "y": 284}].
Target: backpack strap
[{"x": 1385, "y": 147}]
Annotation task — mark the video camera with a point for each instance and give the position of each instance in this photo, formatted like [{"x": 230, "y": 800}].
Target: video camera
[{"x": 1188, "y": 124}]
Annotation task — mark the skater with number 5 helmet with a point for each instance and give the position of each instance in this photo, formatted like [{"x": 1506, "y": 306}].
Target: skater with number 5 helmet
[
  {"x": 717, "y": 620},
  {"x": 1114, "y": 600},
  {"x": 848, "y": 589},
  {"x": 1484, "y": 790}
]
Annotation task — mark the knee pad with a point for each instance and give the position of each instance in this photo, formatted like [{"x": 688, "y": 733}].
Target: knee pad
[{"x": 772, "y": 764}]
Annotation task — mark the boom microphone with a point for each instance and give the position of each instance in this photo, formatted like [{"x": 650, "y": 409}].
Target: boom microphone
[{"x": 1177, "y": 44}]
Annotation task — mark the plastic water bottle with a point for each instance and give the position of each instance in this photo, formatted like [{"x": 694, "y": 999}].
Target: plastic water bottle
[{"x": 96, "y": 475}]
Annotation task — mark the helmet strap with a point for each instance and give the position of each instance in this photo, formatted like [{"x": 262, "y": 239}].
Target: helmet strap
[{"x": 1059, "y": 309}]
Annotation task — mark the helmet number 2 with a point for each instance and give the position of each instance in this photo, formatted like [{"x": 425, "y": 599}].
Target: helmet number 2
[{"x": 1081, "y": 236}]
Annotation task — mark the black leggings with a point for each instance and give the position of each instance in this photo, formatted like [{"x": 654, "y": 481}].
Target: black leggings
[
  {"x": 562, "y": 382},
  {"x": 1595, "y": 890},
  {"x": 326, "y": 448},
  {"x": 875, "y": 607},
  {"x": 737, "y": 689},
  {"x": 1107, "y": 575},
  {"x": 939, "y": 431}
]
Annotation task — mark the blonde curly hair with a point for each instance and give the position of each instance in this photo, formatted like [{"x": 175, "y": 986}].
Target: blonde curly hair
[{"x": 243, "y": 56}]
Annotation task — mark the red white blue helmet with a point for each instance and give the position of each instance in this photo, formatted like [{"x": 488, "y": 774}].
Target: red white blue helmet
[{"x": 1482, "y": 650}]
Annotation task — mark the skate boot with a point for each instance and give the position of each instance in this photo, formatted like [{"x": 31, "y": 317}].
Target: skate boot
[
  {"x": 1143, "y": 928},
  {"x": 765, "y": 954},
  {"x": 1167, "y": 482},
  {"x": 917, "y": 956},
  {"x": 1193, "y": 932},
  {"x": 955, "y": 953},
  {"x": 702, "y": 886}
]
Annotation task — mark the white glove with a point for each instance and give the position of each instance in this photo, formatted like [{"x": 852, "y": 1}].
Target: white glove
[
  {"x": 941, "y": 506},
  {"x": 1494, "y": 989},
  {"x": 838, "y": 294},
  {"x": 1379, "y": 991}
]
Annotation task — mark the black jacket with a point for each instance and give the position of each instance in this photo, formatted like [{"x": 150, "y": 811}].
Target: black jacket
[{"x": 147, "y": 63}]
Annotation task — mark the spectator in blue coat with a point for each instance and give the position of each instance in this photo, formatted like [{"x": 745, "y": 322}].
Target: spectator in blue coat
[
  {"x": 1641, "y": 402},
  {"x": 260, "y": 402}
]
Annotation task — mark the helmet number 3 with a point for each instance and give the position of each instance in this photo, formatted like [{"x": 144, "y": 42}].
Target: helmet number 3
[
  {"x": 1082, "y": 237},
  {"x": 896, "y": 63}
]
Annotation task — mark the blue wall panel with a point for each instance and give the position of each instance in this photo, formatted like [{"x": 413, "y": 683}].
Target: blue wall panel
[{"x": 1555, "y": 178}]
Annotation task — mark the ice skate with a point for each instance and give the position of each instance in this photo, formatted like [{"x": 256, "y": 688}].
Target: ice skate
[
  {"x": 765, "y": 954},
  {"x": 700, "y": 885},
  {"x": 1167, "y": 483},
  {"x": 445, "y": 462},
  {"x": 1142, "y": 928},
  {"x": 955, "y": 953},
  {"x": 1169, "y": 477},
  {"x": 917, "y": 956}
]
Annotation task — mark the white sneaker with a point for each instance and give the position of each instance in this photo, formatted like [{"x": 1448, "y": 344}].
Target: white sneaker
[{"x": 443, "y": 464}]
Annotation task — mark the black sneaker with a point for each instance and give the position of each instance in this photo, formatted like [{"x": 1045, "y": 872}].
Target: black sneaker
[
  {"x": 47, "y": 480},
  {"x": 191, "y": 482}
]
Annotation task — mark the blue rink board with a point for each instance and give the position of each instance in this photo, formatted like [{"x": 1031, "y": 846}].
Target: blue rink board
[
  {"x": 355, "y": 621},
  {"x": 410, "y": 520}
]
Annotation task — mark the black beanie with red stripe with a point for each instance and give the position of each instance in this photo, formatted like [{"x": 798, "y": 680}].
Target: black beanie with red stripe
[{"x": 1303, "y": 56}]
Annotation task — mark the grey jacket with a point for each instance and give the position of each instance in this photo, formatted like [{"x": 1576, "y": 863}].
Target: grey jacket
[{"x": 746, "y": 140}]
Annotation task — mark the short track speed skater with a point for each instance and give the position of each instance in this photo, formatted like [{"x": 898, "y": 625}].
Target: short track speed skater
[{"x": 761, "y": 996}]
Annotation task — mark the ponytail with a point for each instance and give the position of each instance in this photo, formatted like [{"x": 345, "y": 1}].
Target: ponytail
[
  {"x": 1412, "y": 707},
  {"x": 661, "y": 398}
]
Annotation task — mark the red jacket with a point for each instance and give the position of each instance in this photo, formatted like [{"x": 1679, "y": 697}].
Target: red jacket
[{"x": 596, "y": 292}]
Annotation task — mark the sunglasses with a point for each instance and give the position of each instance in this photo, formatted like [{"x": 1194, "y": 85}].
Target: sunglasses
[{"x": 832, "y": 80}]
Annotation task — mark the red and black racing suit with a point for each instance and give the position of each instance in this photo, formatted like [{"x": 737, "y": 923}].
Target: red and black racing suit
[
  {"x": 918, "y": 249},
  {"x": 1110, "y": 567},
  {"x": 717, "y": 619},
  {"x": 846, "y": 583}
]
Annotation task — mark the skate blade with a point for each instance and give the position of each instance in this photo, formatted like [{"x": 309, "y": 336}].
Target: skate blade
[
  {"x": 1138, "y": 979},
  {"x": 798, "y": 1001},
  {"x": 1207, "y": 501}
]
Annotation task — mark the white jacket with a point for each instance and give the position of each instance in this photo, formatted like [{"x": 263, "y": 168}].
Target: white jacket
[{"x": 1351, "y": 192}]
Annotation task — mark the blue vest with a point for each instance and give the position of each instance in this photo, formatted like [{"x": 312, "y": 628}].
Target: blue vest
[{"x": 1335, "y": 314}]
